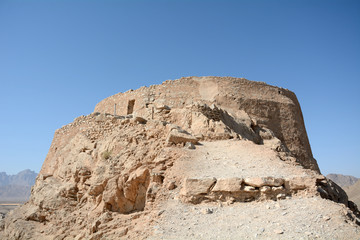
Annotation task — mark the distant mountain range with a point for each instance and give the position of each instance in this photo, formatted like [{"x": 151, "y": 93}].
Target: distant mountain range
[
  {"x": 16, "y": 188},
  {"x": 350, "y": 184},
  {"x": 342, "y": 180}
]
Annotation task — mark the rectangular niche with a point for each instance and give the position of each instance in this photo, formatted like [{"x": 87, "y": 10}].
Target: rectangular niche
[{"x": 130, "y": 108}]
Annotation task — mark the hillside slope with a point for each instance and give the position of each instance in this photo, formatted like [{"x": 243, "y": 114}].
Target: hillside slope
[
  {"x": 204, "y": 158},
  {"x": 353, "y": 192}
]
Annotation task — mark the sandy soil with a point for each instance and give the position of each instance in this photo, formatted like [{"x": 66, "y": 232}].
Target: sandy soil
[{"x": 229, "y": 158}]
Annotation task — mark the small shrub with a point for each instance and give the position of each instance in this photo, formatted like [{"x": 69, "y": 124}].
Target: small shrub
[{"x": 106, "y": 155}]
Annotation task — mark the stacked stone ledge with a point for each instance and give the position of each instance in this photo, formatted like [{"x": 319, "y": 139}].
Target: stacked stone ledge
[{"x": 236, "y": 189}]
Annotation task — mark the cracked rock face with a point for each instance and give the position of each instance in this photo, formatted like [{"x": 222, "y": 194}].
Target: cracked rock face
[{"x": 107, "y": 174}]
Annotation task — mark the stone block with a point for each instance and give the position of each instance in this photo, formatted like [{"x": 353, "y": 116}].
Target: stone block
[
  {"x": 228, "y": 185},
  {"x": 176, "y": 136},
  {"x": 195, "y": 187},
  {"x": 264, "y": 181}
]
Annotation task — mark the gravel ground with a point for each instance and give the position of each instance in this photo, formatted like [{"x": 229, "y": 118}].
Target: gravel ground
[{"x": 296, "y": 218}]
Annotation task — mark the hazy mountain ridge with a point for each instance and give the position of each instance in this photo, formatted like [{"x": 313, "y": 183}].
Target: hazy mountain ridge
[
  {"x": 23, "y": 178},
  {"x": 342, "y": 180},
  {"x": 17, "y": 187}
]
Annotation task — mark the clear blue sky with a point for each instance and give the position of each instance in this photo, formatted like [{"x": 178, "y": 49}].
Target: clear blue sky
[{"x": 59, "y": 58}]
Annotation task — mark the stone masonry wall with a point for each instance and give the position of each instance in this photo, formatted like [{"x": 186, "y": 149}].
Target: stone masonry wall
[{"x": 274, "y": 108}]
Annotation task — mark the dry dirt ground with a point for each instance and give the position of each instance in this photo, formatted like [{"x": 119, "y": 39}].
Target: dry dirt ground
[
  {"x": 296, "y": 217},
  {"x": 232, "y": 158}
]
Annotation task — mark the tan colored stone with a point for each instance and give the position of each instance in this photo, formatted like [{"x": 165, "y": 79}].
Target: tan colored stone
[
  {"x": 190, "y": 145},
  {"x": 171, "y": 185},
  {"x": 250, "y": 189},
  {"x": 264, "y": 181},
  {"x": 281, "y": 196},
  {"x": 301, "y": 183},
  {"x": 195, "y": 187},
  {"x": 278, "y": 231},
  {"x": 136, "y": 186},
  {"x": 228, "y": 185},
  {"x": 265, "y": 189},
  {"x": 176, "y": 136},
  {"x": 139, "y": 119}
]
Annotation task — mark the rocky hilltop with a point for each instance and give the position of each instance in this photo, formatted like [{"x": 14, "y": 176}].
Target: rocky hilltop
[
  {"x": 266, "y": 106},
  {"x": 194, "y": 158}
]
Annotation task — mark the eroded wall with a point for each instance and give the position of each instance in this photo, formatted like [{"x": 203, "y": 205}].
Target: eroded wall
[{"x": 275, "y": 108}]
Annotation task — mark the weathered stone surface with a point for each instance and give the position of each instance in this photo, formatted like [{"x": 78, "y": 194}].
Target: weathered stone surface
[
  {"x": 171, "y": 185},
  {"x": 139, "y": 119},
  {"x": 228, "y": 185},
  {"x": 190, "y": 145},
  {"x": 162, "y": 107},
  {"x": 250, "y": 189},
  {"x": 264, "y": 188},
  {"x": 271, "y": 107},
  {"x": 177, "y": 136},
  {"x": 300, "y": 183},
  {"x": 266, "y": 134},
  {"x": 152, "y": 191},
  {"x": 195, "y": 187},
  {"x": 114, "y": 199},
  {"x": 133, "y": 184},
  {"x": 330, "y": 190},
  {"x": 264, "y": 181},
  {"x": 126, "y": 196}
]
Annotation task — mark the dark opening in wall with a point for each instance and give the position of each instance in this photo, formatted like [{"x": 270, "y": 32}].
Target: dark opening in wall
[{"x": 131, "y": 105}]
